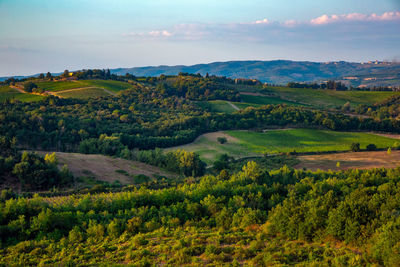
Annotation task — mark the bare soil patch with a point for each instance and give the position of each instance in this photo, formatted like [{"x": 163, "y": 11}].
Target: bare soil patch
[
  {"x": 105, "y": 168},
  {"x": 350, "y": 160},
  {"x": 394, "y": 136}
]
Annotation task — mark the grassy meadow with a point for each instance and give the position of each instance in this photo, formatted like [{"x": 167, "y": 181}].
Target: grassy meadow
[
  {"x": 10, "y": 93},
  {"x": 248, "y": 143},
  {"x": 221, "y": 106},
  {"x": 101, "y": 85},
  {"x": 306, "y": 140},
  {"x": 267, "y": 100},
  {"x": 330, "y": 98},
  {"x": 83, "y": 93}
]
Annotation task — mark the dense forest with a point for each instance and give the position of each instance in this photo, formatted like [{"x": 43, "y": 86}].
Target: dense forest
[{"x": 251, "y": 217}]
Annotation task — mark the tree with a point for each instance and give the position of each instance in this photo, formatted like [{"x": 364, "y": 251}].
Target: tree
[
  {"x": 371, "y": 147},
  {"x": 48, "y": 75},
  {"x": 29, "y": 86},
  {"x": 222, "y": 140},
  {"x": 65, "y": 73},
  {"x": 346, "y": 106},
  {"x": 41, "y": 76},
  {"x": 355, "y": 147}
]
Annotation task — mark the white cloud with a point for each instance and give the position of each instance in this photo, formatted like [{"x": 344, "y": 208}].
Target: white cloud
[
  {"x": 156, "y": 33},
  {"x": 325, "y": 19},
  {"x": 263, "y": 21},
  {"x": 344, "y": 29}
]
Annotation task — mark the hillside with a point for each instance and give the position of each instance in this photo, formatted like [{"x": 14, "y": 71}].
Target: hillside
[{"x": 277, "y": 71}]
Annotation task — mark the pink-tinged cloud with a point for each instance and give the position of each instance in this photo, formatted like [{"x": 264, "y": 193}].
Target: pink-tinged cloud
[
  {"x": 163, "y": 33},
  {"x": 325, "y": 19},
  {"x": 264, "y": 21}
]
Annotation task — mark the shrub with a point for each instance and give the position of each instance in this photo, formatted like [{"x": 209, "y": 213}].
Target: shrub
[
  {"x": 29, "y": 86},
  {"x": 222, "y": 140},
  {"x": 371, "y": 147},
  {"x": 355, "y": 147}
]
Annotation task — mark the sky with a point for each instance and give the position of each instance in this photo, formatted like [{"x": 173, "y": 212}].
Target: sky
[{"x": 53, "y": 35}]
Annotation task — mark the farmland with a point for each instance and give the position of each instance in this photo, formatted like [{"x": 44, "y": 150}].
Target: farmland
[
  {"x": 82, "y": 93},
  {"x": 248, "y": 143},
  {"x": 306, "y": 140},
  {"x": 107, "y": 169},
  {"x": 11, "y": 93},
  {"x": 350, "y": 160},
  {"x": 330, "y": 98},
  {"x": 266, "y": 100}
]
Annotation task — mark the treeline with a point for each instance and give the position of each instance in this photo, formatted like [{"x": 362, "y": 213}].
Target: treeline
[
  {"x": 339, "y": 86},
  {"x": 179, "y": 161},
  {"x": 223, "y": 219},
  {"x": 330, "y": 85},
  {"x": 30, "y": 170}
]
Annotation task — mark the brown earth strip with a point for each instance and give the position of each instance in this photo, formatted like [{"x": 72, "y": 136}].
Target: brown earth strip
[{"x": 350, "y": 160}]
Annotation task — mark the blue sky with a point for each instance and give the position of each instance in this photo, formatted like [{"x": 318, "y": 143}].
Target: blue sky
[{"x": 53, "y": 35}]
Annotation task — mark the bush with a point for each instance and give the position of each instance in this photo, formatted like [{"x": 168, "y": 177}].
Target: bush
[
  {"x": 355, "y": 147},
  {"x": 371, "y": 147},
  {"x": 222, "y": 140},
  {"x": 29, "y": 86}
]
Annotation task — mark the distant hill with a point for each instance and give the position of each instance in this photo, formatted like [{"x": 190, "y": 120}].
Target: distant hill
[
  {"x": 282, "y": 71},
  {"x": 279, "y": 71}
]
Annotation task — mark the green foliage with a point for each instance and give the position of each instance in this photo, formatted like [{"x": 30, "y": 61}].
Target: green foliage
[
  {"x": 371, "y": 147},
  {"x": 30, "y": 86},
  {"x": 179, "y": 161},
  {"x": 314, "y": 218},
  {"x": 222, "y": 140},
  {"x": 355, "y": 147}
]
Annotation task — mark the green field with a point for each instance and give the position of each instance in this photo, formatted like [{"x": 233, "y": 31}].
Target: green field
[
  {"x": 10, "y": 93},
  {"x": 330, "y": 98},
  {"x": 267, "y": 100},
  {"x": 217, "y": 106},
  {"x": 114, "y": 86},
  {"x": 248, "y": 143},
  {"x": 247, "y": 101},
  {"x": 57, "y": 86},
  {"x": 306, "y": 140},
  {"x": 83, "y": 93},
  {"x": 209, "y": 149}
]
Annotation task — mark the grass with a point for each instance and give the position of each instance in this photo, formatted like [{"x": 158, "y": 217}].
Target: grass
[
  {"x": 330, "y": 98},
  {"x": 10, "y": 93},
  {"x": 217, "y": 106},
  {"x": 210, "y": 149},
  {"x": 56, "y": 86},
  {"x": 249, "y": 144},
  {"x": 114, "y": 86},
  {"x": 266, "y": 100},
  {"x": 83, "y": 93},
  {"x": 306, "y": 140}
]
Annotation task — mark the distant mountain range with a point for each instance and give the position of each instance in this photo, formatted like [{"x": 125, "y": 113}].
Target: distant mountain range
[{"x": 284, "y": 71}]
